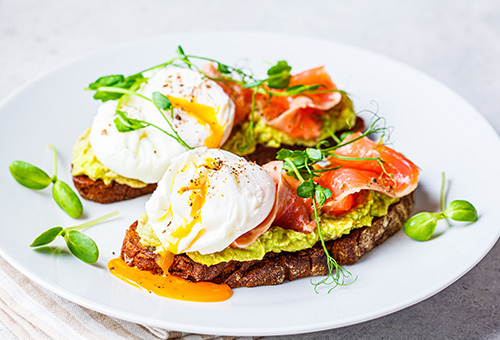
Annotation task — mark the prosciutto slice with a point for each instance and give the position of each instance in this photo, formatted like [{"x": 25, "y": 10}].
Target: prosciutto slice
[{"x": 289, "y": 212}]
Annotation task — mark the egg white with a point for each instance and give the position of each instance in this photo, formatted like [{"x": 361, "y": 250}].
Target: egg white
[
  {"x": 239, "y": 196},
  {"x": 145, "y": 154}
]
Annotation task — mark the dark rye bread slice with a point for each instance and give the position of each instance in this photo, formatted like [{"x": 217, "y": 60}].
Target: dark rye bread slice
[
  {"x": 99, "y": 192},
  {"x": 274, "y": 268}
]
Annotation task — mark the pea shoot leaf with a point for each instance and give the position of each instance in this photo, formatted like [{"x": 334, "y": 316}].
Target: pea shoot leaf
[
  {"x": 315, "y": 154},
  {"x": 107, "y": 81},
  {"x": 224, "y": 69},
  {"x": 67, "y": 199},
  {"x": 421, "y": 226},
  {"x": 306, "y": 189},
  {"x": 46, "y": 237},
  {"x": 161, "y": 101},
  {"x": 28, "y": 175},
  {"x": 118, "y": 81},
  {"x": 279, "y": 75},
  {"x": 462, "y": 211},
  {"x": 180, "y": 52},
  {"x": 283, "y": 154},
  {"x": 321, "y": 194},
  {"x": 81, "y": 245},
  {"x": 126, "y": 124}
]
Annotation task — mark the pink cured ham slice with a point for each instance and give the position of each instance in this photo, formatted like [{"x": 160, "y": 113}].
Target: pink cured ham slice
[{"x": 289, "y": 211}]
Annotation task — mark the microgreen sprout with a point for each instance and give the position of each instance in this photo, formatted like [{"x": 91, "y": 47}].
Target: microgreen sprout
[
  {"x": 118, "y": 87},
  {"x": 35, "y": 178},
  {"x": 80, "y": 245},
  {"x": 421, "y": 226},
  {"x": 301, "y": 165}
]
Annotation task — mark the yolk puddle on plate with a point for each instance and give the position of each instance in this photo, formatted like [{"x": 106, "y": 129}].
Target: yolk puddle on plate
[{"x": 168, "y": 285}]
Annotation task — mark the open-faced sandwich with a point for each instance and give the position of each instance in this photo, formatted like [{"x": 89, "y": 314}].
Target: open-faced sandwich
[
  {"x": 217, "y": 106},
  {"x": 229, "y": 221},
  {"x": 323, "y": 195},
  {"x": 110, "y": 166}
]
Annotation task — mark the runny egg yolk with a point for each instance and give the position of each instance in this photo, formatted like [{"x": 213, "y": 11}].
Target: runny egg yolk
[
  {"x": 198, "y": 188},
  {"x": 205, "y": 115},
  {"x": 168, "y": 285}
]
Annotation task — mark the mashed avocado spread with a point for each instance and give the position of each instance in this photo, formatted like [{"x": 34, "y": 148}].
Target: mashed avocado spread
[
  {"x": 86, "y": 163},
  {"x": 341, "y": 117},
  {"x": 277, "y": 239}
]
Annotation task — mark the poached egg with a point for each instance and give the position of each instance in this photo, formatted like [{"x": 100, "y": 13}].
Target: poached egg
[
  {"x": 203, "y": 115},
  {"x": 207, "y": 199}
]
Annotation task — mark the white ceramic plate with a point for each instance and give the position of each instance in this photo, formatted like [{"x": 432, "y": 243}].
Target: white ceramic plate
[{"x": 434, "y": 127}]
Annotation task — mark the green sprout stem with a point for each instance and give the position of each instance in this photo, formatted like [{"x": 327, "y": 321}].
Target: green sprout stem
[
  {"x": 133, "y": 93},
  {"x": 54, "y": 154},
  {"x": 338, "y": 279},
  {"x": 295, "y": 170},
  {"x": 93, "y": 222}
]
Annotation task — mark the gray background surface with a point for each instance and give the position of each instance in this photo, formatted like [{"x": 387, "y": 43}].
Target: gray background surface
[{"x": 457, "y": 42}]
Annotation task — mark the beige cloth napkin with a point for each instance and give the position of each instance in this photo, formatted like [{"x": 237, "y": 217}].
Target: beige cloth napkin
[{"x": 32, "y": 312}]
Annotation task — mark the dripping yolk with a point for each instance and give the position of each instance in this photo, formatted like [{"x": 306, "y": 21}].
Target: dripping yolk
[
  {"x": 168, "y": 285},
  {"x": 205, "y": 115},
  {"x": 197, "y": 189}
]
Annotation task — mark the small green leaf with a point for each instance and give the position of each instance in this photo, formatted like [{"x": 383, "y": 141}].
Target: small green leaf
[
  {"x": 305, "y": 189},
  {"x": 180, "y": 52},
  {"x": 66, "y": 198},
  {"x": 315, "y": 154},
  {"x": 279, "y": 75},
  {"x": 126, "y": 124},
  {"x": 107, "y": 81},
  {"x": 280, "y": 67},
  {"x": 223, "y": 68},
  {"x": 81, "y": 245},
  {"x": 161, "y": 101},
  {"x": 118, "y": 81},
  {"x": 283, "y": 154},
  {"x": 299, "y": 158},
  {"x": 28, "y": 175},
  {"x": 462, "y": 211},
  {"x": 46, "y": 237},
  {"x": 321, "y": 194},
  {"x": 421, "y": 226}
]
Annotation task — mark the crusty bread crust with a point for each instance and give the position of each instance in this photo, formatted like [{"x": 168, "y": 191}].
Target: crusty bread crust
[
  {"x": 99, "y": 192},
  {"x": 274, "y": 268}
]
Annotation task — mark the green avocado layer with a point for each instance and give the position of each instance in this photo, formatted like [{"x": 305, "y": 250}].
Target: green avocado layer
[
  {"x": 277, "y": 239},
  {"x": 86, "y": 163},
  {"x": 341, "y": 117}
]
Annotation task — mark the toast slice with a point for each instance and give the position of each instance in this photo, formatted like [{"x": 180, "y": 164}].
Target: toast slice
[
  {"x": 274, "y": 268},
  {"x": 99, "y": 192}
]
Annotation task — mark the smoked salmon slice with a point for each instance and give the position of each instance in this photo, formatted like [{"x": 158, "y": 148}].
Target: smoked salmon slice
[
  {"x": 299, "y": 116},
  {"x": 242, "y": 97},
  {"x": 394, "y": 175}
]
